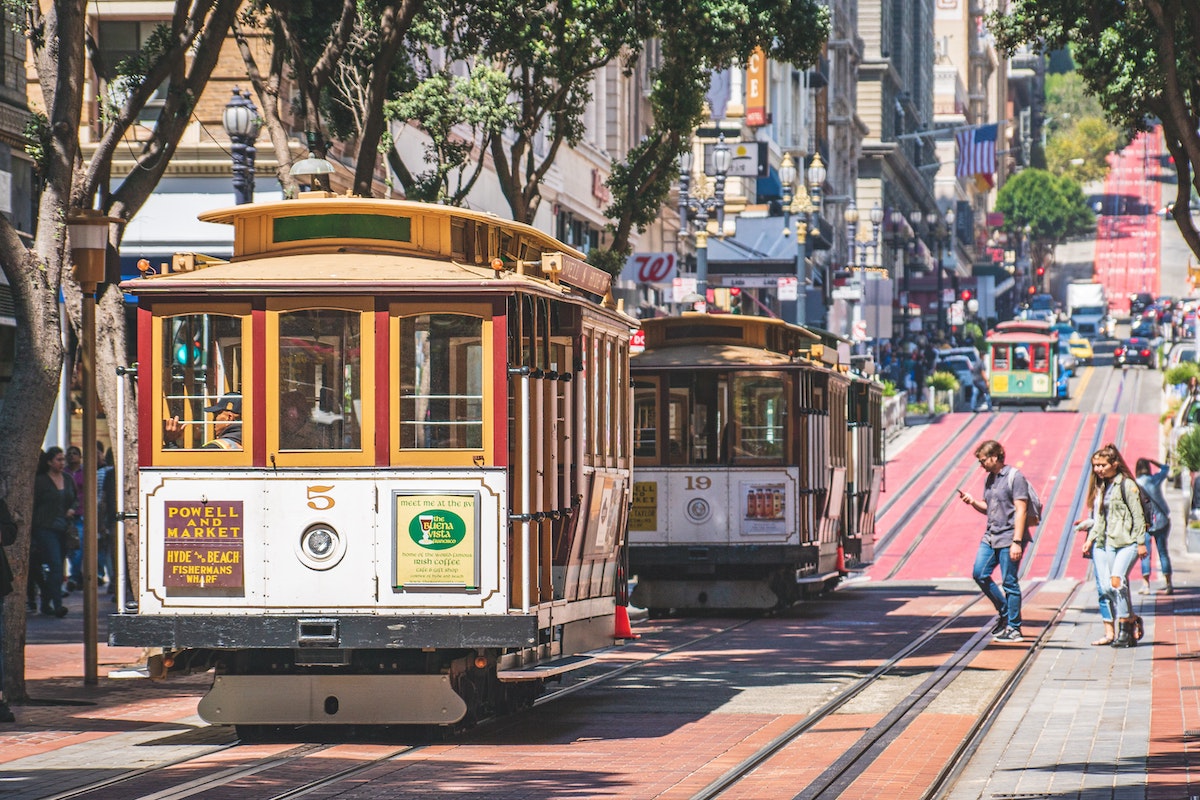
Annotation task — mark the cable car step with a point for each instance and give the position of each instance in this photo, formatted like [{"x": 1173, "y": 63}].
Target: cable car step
[
  {"x": 546, "y": 669},
  {"x": 816, "y": 577}
]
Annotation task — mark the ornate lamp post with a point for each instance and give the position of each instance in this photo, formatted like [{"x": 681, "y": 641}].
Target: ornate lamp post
[
  {"x": 88, "y": 234},
  {"x": 242, "y": 124},
  {"x": 698, "y": 205},
  {"x": 940, "y": 227},
  {"x": 803, "y": 206},
  {"x": 901, "y": 237}
]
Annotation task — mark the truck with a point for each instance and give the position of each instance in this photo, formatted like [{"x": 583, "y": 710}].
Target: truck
[{"x": 1087, "y": 306}]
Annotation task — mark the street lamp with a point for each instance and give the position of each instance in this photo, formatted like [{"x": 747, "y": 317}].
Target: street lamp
[
  {"x": 242, "y": 124},
  {"x": 803, "y": 207},
  {"x": 898, "y": 223},
  {"x": 88, "y": 233},
  {"x": 698, "y": 205},
  {"x": 816, "y": 183},
  {"x": 940, "y": 227}
]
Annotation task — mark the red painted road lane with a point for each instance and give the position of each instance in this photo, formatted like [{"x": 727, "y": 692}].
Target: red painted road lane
[
  {"x": 891, "y": 523},
  {"x": 1127, "y": 246},
  {"x": 1053, "y": 450}
]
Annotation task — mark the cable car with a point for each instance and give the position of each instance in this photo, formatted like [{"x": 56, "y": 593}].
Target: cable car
[{"x": 384, "y": 464}]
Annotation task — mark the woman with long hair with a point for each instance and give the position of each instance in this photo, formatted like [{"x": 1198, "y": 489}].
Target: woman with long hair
[
  {"x": 1116, "y": 539},
  {"x": 1151, "y": 475},
  {"x": 53, "y": 511}
]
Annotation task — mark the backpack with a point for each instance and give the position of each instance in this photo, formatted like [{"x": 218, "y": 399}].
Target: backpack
[
  {"x": 1033, "y": 510},
  {"x": 1148, "y": 507}
]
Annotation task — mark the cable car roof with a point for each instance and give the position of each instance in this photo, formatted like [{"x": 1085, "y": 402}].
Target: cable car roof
[{"x": 708, "y": 355}]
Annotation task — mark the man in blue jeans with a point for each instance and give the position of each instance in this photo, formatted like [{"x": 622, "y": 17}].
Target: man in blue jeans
[{"x": 1005, "y": 502}]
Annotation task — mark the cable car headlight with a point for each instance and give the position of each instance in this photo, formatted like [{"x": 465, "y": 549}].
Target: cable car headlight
[{"x": 321, "y": 547}]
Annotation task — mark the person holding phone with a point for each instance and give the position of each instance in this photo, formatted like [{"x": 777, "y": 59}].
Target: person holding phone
[{"x": 1005, "y": 503}]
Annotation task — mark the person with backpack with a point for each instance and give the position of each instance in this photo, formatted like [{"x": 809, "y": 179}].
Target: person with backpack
[
  {"x": 1116, "y": 538},
  {"x": 1151, "y": 475},
  {"x": 1006, "y": 503}
]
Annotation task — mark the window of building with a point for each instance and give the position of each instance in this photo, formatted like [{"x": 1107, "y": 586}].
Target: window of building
[{"x": 120, "y": 40}]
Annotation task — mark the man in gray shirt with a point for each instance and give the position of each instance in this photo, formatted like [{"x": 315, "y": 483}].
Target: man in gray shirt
[{"x": 1005, "y": 502}]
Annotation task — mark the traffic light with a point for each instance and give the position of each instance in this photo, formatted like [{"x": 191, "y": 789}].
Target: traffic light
[
  {"x": 735, "y": 300},
  {"x": 1033, "y": 290},
  {"x": 965, "y": 294},
  {"x": 1041, "y": 271}
]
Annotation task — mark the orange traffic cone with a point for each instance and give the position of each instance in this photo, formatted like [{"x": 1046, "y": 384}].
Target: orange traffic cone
[
  {"x": 622, "y": 627},
  {"x": 841, "y": 559}
]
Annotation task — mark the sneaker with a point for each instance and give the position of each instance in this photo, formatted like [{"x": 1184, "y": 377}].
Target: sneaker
[
  {"x": 6, "y": 714},
  {"x": 1000, "y": 625},
  {"x": 1009, "y": 635}
]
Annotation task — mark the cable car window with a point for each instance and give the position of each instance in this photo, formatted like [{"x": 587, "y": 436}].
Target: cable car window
[
  {"x": 1020, "y": 357},
  {"x": 1000, "y": 357},
  {"x": 202, "y": 381},
  {"x": 1041, "y": 357},
  {"x": 697, "y": 417},
  {"x": 441, "y": 382},
  {"x": 758, "y": 417},
  {"x": 320, "y": 380},
  {"x": 645, "y": 419}
]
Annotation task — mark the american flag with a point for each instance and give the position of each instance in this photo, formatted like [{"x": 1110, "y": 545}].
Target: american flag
[{"x": 976, "y": 151}]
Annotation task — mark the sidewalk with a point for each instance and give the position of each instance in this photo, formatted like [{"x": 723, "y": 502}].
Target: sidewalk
[{"x": 1093, "y": 723}]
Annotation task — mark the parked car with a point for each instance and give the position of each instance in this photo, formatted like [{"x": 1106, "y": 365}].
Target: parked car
[
  {"x": 1180, "y": 352},
  {"x": 969, "y": 353},
  {"x": 1186, "y": 418},
  {"x": 1134, "y": 350}
]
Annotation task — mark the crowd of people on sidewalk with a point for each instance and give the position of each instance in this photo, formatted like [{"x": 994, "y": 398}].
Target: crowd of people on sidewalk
[
  {"x": 56, "y": 536},
  {"x": 909, "y": 363},
  {"x": 1126, "y": 513},
  {"x": 57, "y": 530}
]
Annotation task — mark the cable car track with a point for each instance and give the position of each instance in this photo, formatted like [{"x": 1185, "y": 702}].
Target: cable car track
[
  {"x": 834, "y": 779},
  {"x": 894, "y": 527},
  {"x": 219, "y": 776}
]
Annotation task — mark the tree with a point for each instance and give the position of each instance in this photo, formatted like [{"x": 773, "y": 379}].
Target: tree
[
  {"x": 1046, "y": 208},
  {"x": 460, "y": 114},
  {"x": 181, "y": 55},
  {"x": 691, "y": 46},
  {"x": 340, "y": 59},
  {"x": 551, "y": 53},
  {"x": 1081, "y": 150},
  {"x": 1138, "y": 59}
]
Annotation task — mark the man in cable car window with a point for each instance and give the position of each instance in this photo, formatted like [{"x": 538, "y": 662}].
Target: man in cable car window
[{"x": 227, "y": 425}]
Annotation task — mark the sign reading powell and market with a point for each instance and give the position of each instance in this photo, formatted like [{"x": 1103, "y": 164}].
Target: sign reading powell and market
[{"x": 436, "y": 541}]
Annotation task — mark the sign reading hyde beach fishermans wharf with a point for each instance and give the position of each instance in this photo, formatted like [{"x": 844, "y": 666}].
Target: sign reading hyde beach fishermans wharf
[
  {"x": 203, "y": 545},
  {"x": 436, "y": 541}
]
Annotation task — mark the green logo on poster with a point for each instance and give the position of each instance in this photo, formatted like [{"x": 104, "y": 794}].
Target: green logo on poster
[{"x": 436, "y": 529}]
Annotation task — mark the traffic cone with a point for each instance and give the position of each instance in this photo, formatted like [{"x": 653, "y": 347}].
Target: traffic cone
[
  {"x": 622, "y": 627},
  {"x": 841, "y": 559}
]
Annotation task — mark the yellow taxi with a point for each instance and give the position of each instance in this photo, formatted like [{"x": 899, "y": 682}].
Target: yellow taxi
[{"x": 1080, "y": 347}]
